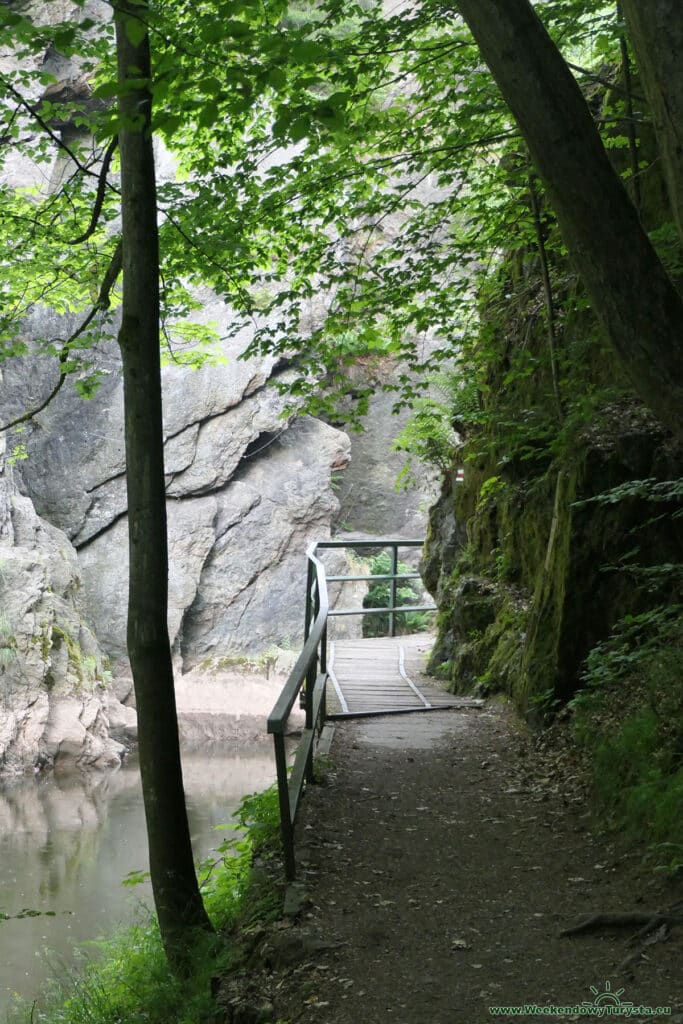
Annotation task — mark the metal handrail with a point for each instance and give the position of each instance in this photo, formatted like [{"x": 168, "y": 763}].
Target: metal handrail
[
  {"x": 310, "y": 669},
  {"x": 313, "y": 655}
]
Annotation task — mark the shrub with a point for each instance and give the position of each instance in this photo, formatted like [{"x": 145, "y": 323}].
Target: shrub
[{"x": 379, "y": 596}]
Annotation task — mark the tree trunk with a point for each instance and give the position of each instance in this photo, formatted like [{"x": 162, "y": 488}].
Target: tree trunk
[
  {"x": 628, "y": 286},
  {"x": 655, "y": 28},
  {"x": 176, "y": 893}
]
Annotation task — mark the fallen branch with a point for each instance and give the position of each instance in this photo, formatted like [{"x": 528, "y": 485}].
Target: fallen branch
[{"x": 653, "y": 926}]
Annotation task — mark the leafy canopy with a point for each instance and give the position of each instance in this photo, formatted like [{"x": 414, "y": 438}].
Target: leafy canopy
[{"x": 340, "y": 180}]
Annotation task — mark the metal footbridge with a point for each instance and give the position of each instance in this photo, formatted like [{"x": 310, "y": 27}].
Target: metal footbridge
[
  {"x": 346, "y": 677},
  {"x": 380, "y": 676}
]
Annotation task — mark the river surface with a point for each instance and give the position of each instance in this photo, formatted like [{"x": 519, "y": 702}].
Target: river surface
[{"x": 66, "y": 844}]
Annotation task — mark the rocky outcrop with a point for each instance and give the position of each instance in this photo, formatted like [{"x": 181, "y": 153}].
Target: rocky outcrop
[
  {"x": 248, "y": 490},
  {"x": 248, "y": 484},
  {"x": 533, "y": 559},
  {"x": 369, "y": 502},
  {"x": 56, "y": 707}
]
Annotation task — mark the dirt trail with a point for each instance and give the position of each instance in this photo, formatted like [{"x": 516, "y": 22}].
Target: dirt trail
[{"x": 436, "y": 882}]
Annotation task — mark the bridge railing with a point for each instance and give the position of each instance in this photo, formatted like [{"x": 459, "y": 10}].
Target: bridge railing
[{"x": 309, "y": 675}]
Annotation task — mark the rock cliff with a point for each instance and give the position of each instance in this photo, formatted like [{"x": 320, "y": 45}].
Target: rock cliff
[
  {"x": 247, "y": 492},
  {"x": 249, "y": 486},
  {"x": 56, "y": 707},
  {"x": 529, "y": 566}
]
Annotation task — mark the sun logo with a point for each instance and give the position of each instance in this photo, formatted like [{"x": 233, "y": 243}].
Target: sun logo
[{"x": 607, "y": 997}]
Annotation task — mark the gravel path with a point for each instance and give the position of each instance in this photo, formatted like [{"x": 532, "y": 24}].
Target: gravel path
[{"x": 437, "y": 875}]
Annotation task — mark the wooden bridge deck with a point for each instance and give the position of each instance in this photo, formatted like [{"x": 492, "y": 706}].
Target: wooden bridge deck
[{"x": 383, "y": 675}]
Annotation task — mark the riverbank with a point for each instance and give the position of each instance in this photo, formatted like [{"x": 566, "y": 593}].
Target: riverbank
[
  {"x": 92, "y": 726},
  {"x": 130, "y": 981},
  {"x": 68, "y": 838}
]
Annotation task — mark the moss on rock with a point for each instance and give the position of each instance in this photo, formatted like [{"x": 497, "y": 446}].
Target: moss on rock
[{"x": 527, "y": 577}]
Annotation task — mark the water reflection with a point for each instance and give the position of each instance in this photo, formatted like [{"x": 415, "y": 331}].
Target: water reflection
[{"x": 66, "y": 843}]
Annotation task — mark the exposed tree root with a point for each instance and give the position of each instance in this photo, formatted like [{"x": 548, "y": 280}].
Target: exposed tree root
[
  {"x": 647, "y": 919},
  {"x": 653, "y": 926}
]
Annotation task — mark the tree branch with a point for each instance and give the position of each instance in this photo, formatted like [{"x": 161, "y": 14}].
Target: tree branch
[
  {"x": 548, "y": 295},
  {"x": 101, "y": 190},
  {"x": 44, "y": 125},
  {"x": 103, "y": 302}
]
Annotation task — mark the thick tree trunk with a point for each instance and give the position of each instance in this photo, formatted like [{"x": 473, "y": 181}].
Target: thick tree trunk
[
  {"x": 628, "y": 286},
  {"x": 655, "y": 28},
  {"x": 176, "y": 894}
]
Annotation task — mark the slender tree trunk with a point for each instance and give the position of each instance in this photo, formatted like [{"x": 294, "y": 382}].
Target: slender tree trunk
[
  {"x": 548, "y": 296},
  {"x": 628, "y": 286},
  {"x": 634, "y": 183},
  {"x": 176, "y": 893},
  {"x": 655, "y": 28}
]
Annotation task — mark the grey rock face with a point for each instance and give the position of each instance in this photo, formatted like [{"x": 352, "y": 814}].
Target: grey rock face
[
  {"x": 236, "y": 556},
  {"x": 251, "y": 591},
  {"x": 247, "y": 489},
  {"x": 55, "y": 707},
  {"x": 369, "y": 501}
]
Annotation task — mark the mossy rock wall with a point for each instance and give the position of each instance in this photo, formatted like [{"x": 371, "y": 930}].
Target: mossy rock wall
[{"x": 520, "y": 569}]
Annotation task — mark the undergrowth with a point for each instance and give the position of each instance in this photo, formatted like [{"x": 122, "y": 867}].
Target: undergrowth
[
  {"x": 408, "y": 592},
  {"x": 629, "y": 717},
  {"x": 130, "y": 980}
]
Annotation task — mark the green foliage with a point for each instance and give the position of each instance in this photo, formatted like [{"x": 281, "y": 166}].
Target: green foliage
[
  {"x": 650, "y": 489},
  {"x": 489, "y": 490},
  {"x": 296, "y": 162},
  {"x": 427, "y": 436},
  {"x": 18, "y": 454},
  {"x": 8, "y": 642},
  {"x": 438, "y": 421},
  {"x": 630, "y": 717},
  {"x": 634, "y": 641},
  {"x": 379, "y": 596}
]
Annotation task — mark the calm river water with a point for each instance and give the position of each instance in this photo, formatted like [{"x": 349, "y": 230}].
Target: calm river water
[{"x": 67, "y": 842}]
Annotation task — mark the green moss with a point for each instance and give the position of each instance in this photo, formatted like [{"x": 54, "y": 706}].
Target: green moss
[
  {"x": 45, "y": 641},
  {"x": 59, "y": 636},
  {"x": 520, "y": 530},
  {"x": 85, "y": 667},
  {"x": 539, "y": 661}
]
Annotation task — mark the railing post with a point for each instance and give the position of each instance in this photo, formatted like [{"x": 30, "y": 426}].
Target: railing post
[
  {"x": 286, "y": 828},
  {"x": 308, "y": 619},
  {"x": 394, "y": 589},
  {"x": 309, "y": 586},
  {"x": 311, "y": 676},
  {"x": 323, "y": 671}
]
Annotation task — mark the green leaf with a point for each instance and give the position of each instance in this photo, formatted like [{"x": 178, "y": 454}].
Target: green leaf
[
  {"x": 136, "y": 30},
  {"x": 307, "y": 51}
]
